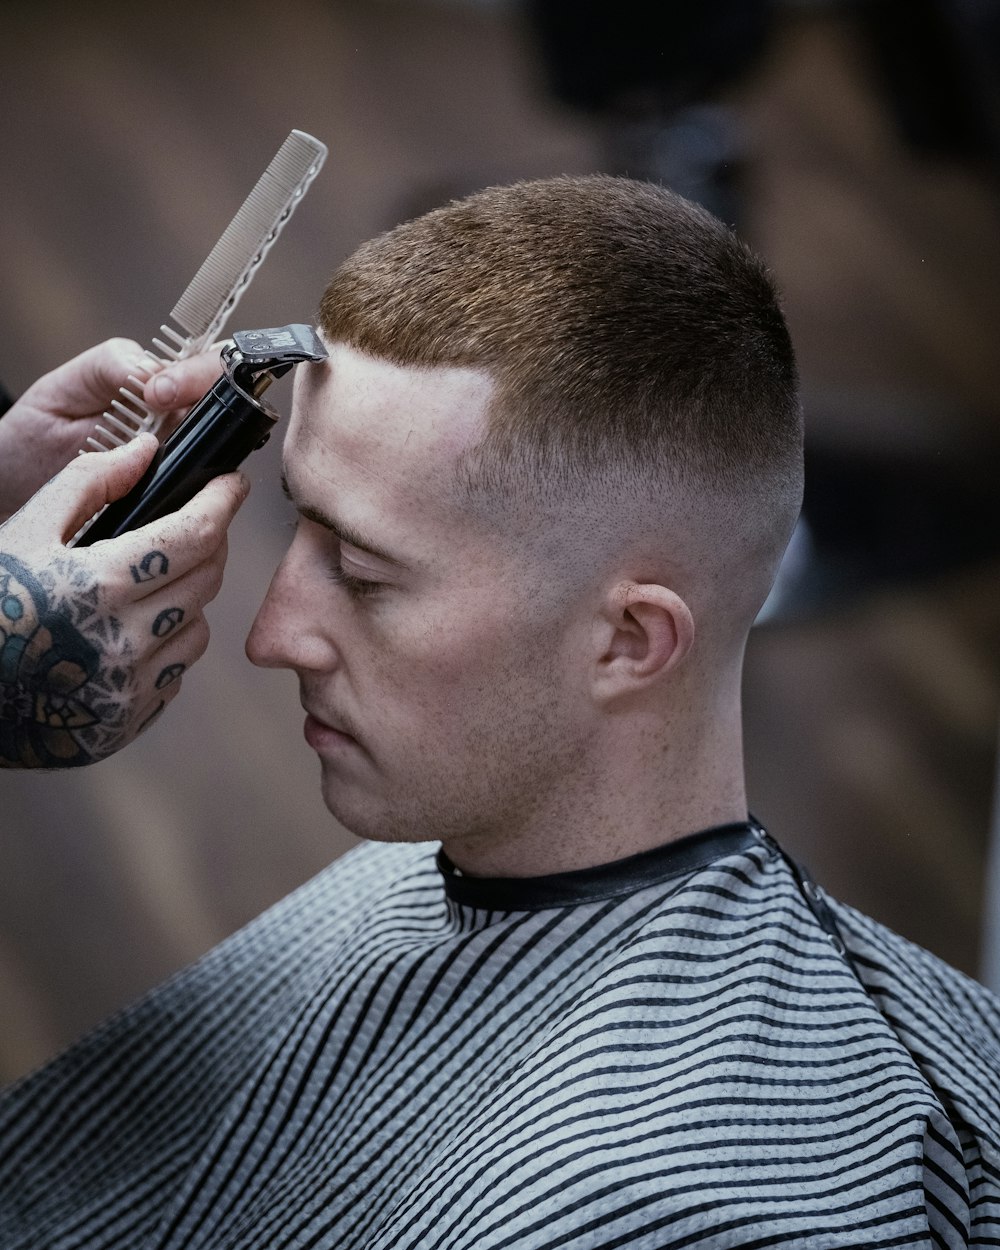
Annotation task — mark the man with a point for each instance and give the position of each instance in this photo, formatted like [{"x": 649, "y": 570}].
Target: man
[
  {"x": 543, "y": 484},
  {"x": 94, "y": 641}
]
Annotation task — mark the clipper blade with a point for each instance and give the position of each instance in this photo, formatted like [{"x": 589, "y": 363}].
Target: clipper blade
[{"x": 202, "y": 311}]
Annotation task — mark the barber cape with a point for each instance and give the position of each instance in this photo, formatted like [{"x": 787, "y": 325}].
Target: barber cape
[{"x": 668, "y": 1051}]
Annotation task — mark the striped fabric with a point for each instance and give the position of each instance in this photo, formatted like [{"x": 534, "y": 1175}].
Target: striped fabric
[{"x": 666, "y": 1055}]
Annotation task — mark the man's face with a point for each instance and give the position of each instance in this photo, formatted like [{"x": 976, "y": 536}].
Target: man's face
[{"x": 436, "y": 661}]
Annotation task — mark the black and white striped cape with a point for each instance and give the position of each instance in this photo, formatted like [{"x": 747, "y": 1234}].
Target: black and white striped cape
[{"x": 667, "y": 1052}]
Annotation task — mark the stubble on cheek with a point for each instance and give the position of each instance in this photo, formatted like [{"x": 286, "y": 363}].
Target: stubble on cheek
[
  {"x": 489, "y": 759},
  {"x": 465, "y": 714}
]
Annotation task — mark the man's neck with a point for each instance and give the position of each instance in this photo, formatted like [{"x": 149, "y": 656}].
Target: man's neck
[{"x": 638, "y": 796}]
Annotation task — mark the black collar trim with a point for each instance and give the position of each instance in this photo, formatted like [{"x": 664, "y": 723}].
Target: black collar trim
[{"x": 588, "y": 885}]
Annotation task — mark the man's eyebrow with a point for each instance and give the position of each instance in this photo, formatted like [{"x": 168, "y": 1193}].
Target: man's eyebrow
[{"x": 340, "y": 529}]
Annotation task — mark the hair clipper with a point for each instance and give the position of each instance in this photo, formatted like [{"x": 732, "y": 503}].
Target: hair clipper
[{"x": 218, "y": 433}]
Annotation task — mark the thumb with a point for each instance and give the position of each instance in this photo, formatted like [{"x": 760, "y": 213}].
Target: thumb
[
  {"x": 89, "y": 382},
  {"x": 86, "y": 484}
]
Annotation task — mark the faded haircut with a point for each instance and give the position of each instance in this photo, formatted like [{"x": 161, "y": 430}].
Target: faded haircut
[{"x": 631, "y": 337}]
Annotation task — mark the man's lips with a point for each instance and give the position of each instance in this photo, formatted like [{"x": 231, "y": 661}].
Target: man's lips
[{"x": 322, "y": 735}]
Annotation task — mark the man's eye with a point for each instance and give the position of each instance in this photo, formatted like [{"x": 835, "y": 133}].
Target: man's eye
[{"x": 356, "y": 587}]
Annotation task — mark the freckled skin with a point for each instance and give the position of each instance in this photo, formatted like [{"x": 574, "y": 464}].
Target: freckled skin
[
  {"x": 451, "y": 678},
  {"x": 499, "y": 685}
]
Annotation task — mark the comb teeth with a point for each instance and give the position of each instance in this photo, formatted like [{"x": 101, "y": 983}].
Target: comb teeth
[
  {"x": 130, "y": 415},
  {"x": 215, "y": 290},
  {"x": 217, "y": 286}
]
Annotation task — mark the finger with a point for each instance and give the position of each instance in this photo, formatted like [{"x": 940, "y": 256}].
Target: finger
[
  {"x": 168, "y": 666},
  {"x": 89, "y": 382},
  {"x": 152, "y": 711},
  {"x": 183, "y": 383},
  {"x": 171, "y": 661},
  {"x": 173, "y": 604},
  {"x": 188, "y": 536},
  {"x": 82, "y": 489}
]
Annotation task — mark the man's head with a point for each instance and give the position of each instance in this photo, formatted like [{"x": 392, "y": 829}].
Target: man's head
[{"x": 567, "y": 412}]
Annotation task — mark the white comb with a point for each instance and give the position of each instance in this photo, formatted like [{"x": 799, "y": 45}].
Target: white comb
[{"x": 212, "y": 294}]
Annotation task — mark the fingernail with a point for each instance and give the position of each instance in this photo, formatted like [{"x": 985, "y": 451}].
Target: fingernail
[{"x": 164, "y": 389}]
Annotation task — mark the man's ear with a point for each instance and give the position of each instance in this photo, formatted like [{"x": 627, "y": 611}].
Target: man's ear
[{"x": 643, "y": 632}]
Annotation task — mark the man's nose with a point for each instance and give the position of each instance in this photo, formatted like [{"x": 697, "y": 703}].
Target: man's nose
[{"x": 289, "y": 629}]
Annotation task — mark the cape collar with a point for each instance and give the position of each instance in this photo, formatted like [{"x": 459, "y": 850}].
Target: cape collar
[{"x": 586, "y": 885}]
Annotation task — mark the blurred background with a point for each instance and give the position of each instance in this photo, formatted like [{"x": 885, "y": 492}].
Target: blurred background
[{"x": 855, "y": 145}]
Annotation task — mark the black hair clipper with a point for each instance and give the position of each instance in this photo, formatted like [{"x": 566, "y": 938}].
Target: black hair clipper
[{"x": 218, "y": 433}]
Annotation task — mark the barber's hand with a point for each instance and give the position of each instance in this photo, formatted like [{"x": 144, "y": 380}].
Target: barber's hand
[
  {"x": 93, "y": 640},
  {"x": 177, "y": 386},
  {"x": 51, "y": 422}
]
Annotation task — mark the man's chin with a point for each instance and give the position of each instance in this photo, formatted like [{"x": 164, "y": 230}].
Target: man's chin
[{"x": 361, "y": 815}]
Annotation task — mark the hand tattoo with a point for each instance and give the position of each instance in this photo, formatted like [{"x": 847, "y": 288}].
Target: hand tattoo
[
  {"x": 64, "y": 697},
  {"x": 153, "y": 564},
  {"x": 169, "y": 674},
  {"x": 168, "y": 619}
]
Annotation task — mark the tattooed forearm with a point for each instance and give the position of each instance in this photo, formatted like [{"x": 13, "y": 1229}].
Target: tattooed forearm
[{"x": 65, "y": 685}]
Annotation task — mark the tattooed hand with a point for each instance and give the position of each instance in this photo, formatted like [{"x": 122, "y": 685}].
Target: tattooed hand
[
  {"x": 51, "y": 422},
  {"x": 93, "y": 640}
]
